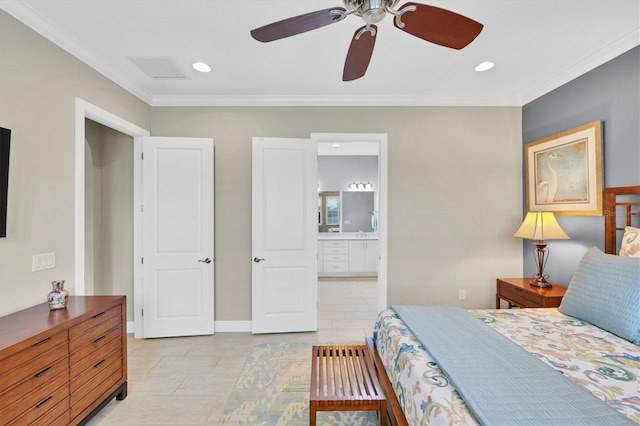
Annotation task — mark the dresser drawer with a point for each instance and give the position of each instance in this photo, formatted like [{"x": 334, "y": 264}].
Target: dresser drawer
[
  {"x": 92, "y": 362},
  {"x": 93, "y": 337},
  {"x": 101, "y": 384},
  {"x": 336, "y": 266},
  {"x": 19, "y": 372},
  {"x": 32, "y": 388},
  {"x": 48, "y": 408},
  {"x": 93, "y": 328},
  {"x": 335, "y": 244},
  {"x": 336, "y": 258},
  {"x": 96, "y": 344},
  {"x": 39, "y": 346}
]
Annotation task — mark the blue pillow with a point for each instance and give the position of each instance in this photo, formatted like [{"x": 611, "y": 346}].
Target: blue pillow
[{"x": 605, "y": 291}]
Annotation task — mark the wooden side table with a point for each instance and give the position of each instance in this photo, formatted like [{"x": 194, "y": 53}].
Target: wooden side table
[{"x": 518, "y": 292}]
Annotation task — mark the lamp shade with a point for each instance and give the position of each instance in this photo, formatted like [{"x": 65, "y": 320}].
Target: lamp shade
[{"x": 541, "y": 226}]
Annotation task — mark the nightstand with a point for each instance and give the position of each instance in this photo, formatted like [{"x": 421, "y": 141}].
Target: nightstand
[{"x": 518, "y": 292}]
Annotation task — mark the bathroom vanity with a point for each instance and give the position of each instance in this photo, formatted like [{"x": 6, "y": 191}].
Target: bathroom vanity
[{"x": 347, "y": 254}]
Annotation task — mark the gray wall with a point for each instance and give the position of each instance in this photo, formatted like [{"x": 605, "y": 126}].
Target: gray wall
[
  {"x": 610, "y": 93},
  {"x": 335, "y": 172}
]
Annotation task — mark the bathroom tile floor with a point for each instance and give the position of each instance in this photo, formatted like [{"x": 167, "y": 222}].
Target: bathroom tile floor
[{"x": 187, "y": 380}]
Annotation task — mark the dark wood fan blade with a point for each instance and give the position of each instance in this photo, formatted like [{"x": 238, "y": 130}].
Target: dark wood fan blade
[
  {"x": 439, "y": 26},
  {"x": 296, "y": 25},
  {"x": 359, "y": 54}
]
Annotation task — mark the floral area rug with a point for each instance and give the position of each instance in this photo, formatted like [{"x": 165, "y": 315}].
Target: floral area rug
[{"x": 273, "y": 389}]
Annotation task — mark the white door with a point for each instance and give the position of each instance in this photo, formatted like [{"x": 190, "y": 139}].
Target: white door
[
  {"x": 284, "y": 235},
  {"x": 178, "y": 266}
]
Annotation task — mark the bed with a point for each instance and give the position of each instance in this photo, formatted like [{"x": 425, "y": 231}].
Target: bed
[{"x": 576, "y": 340}]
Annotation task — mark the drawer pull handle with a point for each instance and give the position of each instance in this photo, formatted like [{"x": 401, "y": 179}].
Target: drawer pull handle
[
  {"x": 98, "y": 339},
  {"x": 42, "y": 341},
  {"x": 99, "y": 315},
  {"x": 96, "y": 366},
  {"x": 42, "y": 372},
  {"x": 44, "y": 401}
]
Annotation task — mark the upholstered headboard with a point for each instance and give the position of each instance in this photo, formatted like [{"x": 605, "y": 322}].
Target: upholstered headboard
[{"x": 621, "y": 208}]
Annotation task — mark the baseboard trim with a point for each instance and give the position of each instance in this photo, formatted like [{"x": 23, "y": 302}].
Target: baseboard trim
[
  {"x": 233, "y": 326},
  {"x": 220, "y": 327}
]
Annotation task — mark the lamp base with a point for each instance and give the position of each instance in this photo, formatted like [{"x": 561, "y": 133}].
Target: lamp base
[{"x": 540, "y": 281}]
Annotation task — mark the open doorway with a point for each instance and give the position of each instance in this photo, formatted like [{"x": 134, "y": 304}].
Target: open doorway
[
  {"x": 83, "y": 111},
  {"x": 108, "y": 211},
  {"x": 352, "y": 171}
]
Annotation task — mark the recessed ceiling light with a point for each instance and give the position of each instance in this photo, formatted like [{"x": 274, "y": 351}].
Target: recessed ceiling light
[
  {"x": 484, "y": 66},
  {"x": 336, "y": 145},
  {"x": 201, "y": 66}
]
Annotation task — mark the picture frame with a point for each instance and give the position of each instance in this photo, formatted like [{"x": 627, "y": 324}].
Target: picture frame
[{"x": 564, "y": 172}]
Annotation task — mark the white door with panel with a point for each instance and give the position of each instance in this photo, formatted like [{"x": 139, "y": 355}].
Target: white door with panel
[
  {"x": 284, "y": 235},
  {"x": 178, "y": 267}
]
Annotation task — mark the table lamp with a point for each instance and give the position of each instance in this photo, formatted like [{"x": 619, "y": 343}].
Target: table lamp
[{"x": 540, "y": 226}]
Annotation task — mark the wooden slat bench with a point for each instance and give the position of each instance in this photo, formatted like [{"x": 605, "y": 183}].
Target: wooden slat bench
[{"x": 343, "y": 378}]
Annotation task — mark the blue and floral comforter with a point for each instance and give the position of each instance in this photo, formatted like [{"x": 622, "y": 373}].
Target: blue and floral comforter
[{"x": 603, "y": 363}]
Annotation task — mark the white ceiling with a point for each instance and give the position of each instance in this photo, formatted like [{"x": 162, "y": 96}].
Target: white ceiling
[{"x": 537, "y": 45}]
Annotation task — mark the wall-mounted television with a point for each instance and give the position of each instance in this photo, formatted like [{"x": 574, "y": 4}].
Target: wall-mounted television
[{"x": 5, "y": 143}]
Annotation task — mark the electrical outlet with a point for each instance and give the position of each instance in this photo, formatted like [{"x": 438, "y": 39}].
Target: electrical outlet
[{"x": 462, "y": 294}]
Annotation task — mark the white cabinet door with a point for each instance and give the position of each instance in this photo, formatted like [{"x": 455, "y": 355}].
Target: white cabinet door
[
  {"x": 371, "y": 256},
  {"x": 320, "y": 257},
  {"x": 363, "y": 256},
  {"x": 356, "y": 256}
]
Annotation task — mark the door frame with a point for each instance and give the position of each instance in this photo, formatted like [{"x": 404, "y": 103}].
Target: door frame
[
  {"x": 83, "y": 110},
  {"x": 383, "y": 220}
]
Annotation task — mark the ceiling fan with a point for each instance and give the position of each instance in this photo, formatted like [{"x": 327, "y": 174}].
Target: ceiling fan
[{"x": 430, "y": 23}]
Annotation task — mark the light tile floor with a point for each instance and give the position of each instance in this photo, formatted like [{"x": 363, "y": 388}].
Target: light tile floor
[{"x": 187, "y": 380}]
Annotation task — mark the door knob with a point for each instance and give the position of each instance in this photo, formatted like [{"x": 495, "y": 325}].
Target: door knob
[
  {"x": 258, "y": 259},
  {"x": 207, "y": 260}
]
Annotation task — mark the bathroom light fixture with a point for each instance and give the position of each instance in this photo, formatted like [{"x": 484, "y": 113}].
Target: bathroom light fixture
[
  {"x": 201, "y": 66},
  {"x": 484, "y": 66},
  {"x": 360, "y": 186},
  {"x": 335, "y": 145}
]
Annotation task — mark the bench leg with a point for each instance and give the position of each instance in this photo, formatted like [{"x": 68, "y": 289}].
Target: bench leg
[
  {"x": 312, "y": 414},
  {"x": 383, "y": 413}
]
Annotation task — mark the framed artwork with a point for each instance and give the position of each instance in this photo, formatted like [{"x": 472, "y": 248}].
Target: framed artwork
[{"x": 564, "y": 172}]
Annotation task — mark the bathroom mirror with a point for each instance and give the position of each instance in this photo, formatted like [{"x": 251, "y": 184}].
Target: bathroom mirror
[{"x": 346, "y": 211}]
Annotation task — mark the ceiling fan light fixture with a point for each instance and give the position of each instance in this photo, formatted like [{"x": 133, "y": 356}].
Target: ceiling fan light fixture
[
  {"x": 373, "y": 11},
  {"x": 201, "y": 66},
  {"x": 484, "y": 66}
]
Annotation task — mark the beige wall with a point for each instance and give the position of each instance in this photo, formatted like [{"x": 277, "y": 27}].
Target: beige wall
[
  {"x": 454, "y": 180},
  {"x": 454, "y": 191},
  {"x": 38, "y": 86}
]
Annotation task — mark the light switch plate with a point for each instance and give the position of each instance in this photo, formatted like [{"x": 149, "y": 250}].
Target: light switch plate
[{"x": 40, "y": 262}]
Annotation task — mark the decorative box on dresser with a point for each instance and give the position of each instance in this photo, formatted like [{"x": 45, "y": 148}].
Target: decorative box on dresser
[{"x": 61, "y": 367}]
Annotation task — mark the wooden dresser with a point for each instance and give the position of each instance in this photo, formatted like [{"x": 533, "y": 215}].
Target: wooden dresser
[{"x": 61, "y": 367}]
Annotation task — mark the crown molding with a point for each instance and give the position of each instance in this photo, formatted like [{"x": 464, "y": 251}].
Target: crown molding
[
  {"x": 574, "y": 71},
  {"x": 30, "y": 17},
  {"x": 38, "y": 23},
  {"x": 320, "y": 100}
]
